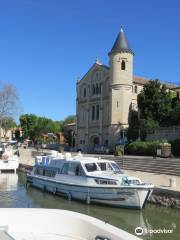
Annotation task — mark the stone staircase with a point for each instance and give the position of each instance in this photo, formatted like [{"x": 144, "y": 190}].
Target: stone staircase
[{"x": 169, "y": 166}]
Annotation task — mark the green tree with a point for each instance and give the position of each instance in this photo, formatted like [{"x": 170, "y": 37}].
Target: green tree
[
  {"x": 17, "y": 134},
  {"x": 68, "y": 133},
  {"x": 46, "y": 125},
  {"x": 34, "y": 126},
  {"x": 146, "y": 125},
  {"x": 155, "y": 104},
  {"x": 69, "y": 119},
  {"x": 28, "y": 124},
  {"x": 175, "y": 114},
  {"x": 132, "y": 133}
]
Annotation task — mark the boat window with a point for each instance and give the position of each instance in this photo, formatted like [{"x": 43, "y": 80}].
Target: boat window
[
  {"x": 134, "y": 182},
  {"x": 115, "y": 167},
  {"x": 91, "y": 167},
  {"x": 104, "y": 166},
  {"x": 73, "y": 169},
  {"x": 79, "y": 171},
  {"x": 106, "y": 181},
  {"x": 49, "y": 173},
  {"x": 39, "y": 171},
  {"x": 65, "y": 169}
]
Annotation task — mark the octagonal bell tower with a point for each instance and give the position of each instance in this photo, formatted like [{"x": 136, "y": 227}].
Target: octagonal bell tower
[{"x": 121, "y": 80}]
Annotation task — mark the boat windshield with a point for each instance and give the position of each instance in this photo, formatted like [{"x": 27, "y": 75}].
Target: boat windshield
[
  {"x": 105, "y": 166},
  {"x": 115, "y": 167}
]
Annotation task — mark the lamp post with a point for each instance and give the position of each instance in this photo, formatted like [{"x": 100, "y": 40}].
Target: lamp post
[
  {"x": 122, "y": 143},
  {"x": 72, "y": 139}
]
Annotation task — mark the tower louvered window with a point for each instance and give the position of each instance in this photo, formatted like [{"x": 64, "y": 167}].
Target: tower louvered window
[{"x": 123, "y": 65}]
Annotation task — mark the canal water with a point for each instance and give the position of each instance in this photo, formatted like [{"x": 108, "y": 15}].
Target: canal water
[{"x": 13, "y": 193}]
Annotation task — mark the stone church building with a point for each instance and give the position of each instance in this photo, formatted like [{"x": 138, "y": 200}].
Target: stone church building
[{"x": 105, "y": 97}]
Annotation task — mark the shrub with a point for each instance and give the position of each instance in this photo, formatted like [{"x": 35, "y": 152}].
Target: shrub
[
  {"x": 175, "y": 147},
  {"x": 132, "y": 134},
  {"x": 142, "y": 148},
  {"x": 118, "y": 151}
]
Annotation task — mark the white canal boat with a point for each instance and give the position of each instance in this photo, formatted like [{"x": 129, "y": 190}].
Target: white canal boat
[
  {"x": 53, "y": 224},
  {"x": 8, "y": 160},
  {"x": 89, "y": 179}
]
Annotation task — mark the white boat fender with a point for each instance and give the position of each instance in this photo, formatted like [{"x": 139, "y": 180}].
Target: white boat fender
[
  {"x": 54, "y": 191},
  {"x": 69, "y": 196}
]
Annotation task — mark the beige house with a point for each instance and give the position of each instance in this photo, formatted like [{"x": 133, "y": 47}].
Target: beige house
[
  {"x": 6, "y": 135},
  {"x": 105, "y": 97}
]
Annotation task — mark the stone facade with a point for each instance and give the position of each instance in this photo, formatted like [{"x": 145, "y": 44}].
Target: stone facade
[{"x": 105, "y": 97}]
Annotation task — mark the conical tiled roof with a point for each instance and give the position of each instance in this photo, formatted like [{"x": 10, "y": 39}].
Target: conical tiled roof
[{"x": 121, "y": 44}]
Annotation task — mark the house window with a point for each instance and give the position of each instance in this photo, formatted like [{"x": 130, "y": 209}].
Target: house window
[
  {"x": 97, "y": 112},
  {"x": 93, "y": 112},
  {"x": 123, "y": 65},
  {"x": 84, "y": 94}
]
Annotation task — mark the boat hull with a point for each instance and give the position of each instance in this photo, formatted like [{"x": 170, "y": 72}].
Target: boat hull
[
  {"x": 55, "y": 224},
  {"x": 11, "y": 163},
  {"x": 127, "y": 197}
]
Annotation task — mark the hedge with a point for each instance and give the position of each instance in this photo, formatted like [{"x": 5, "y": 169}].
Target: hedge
[
  {"x": 142, "y": 148},
  {"x": 148, "y": 148}
]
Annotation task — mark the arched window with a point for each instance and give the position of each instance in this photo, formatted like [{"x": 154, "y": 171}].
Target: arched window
[
  {"x": 97, "y": 88},
  {"x": 84, "y": 94},
  {"x": 93, "y": 112},
  {"x": 123, "y": 65},
  {"x": 97, "y": 112}
]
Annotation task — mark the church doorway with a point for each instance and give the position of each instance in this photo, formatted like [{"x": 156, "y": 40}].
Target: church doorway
[{"x": 94, "y": 142}]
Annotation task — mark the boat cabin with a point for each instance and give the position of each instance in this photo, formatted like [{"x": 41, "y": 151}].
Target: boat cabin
[{"x": 76, "y": 167}]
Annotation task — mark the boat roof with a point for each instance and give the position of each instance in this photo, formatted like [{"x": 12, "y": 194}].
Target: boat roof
[
  {"x": 89, "y": 160},
  {"x": 59, "y": 162}
]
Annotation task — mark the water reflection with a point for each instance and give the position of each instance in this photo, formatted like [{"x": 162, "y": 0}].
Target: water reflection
[
  {"x": 8, "y": 182},
  {"x": 14, "y": 194}
]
